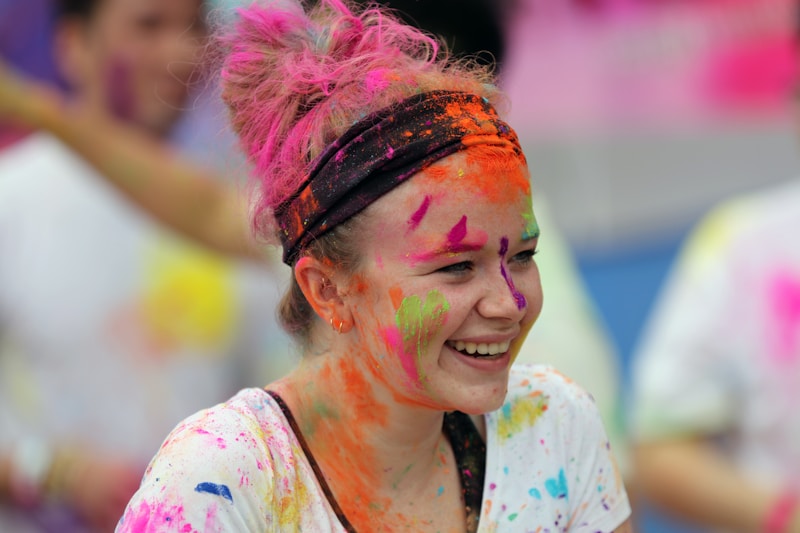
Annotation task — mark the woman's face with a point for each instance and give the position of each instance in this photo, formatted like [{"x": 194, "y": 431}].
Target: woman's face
[{"x": 448, "y": 286}]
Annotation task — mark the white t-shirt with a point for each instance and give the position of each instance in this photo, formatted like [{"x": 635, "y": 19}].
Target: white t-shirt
[
  {"x": 112, "y": 329},
  {"x": 239, "y": 467},
  {"x": 721, "y": 355}
]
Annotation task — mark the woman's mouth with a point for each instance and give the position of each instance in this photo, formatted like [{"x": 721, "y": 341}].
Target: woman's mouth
[{"x": 479, "y": 349}]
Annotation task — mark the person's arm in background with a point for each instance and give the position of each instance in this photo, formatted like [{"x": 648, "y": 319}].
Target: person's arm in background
[
  {"x": 688, "y": 394},
  {"x": 691, "y": 479},
  {"x": 175, "y": 191},
  {"x": 96, "y": 488}
]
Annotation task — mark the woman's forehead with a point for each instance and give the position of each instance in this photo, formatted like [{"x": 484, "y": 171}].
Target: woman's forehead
[{"x": 466, "y": 179}]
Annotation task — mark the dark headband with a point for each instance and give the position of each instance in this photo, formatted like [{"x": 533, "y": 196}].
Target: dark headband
[{"x": 381, "y": 151}]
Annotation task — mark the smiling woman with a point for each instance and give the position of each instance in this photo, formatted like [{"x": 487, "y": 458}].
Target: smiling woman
[{"x": 402, "y": 203}]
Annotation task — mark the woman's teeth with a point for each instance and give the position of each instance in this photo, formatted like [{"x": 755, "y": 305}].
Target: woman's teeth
[{"x": 480, "y": 348}]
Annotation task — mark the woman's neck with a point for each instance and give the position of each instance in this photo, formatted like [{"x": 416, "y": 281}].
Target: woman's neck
[{"x": 375, "y": 452}]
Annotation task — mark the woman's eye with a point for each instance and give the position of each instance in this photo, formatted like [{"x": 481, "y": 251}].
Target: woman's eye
[
  {"x": 457, "y": 268},
  {"x": 525, "y": 257}
]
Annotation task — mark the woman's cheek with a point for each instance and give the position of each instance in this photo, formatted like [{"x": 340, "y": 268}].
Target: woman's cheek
[
  {"x": 535, "y": 301},
  {"x": 417, "y": 322}
]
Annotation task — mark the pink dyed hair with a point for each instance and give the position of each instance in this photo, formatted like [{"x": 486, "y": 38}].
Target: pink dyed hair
[{"x": 295, "y": 81}]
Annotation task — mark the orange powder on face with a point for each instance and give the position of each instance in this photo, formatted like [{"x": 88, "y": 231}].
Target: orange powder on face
[
  {"x": 501, "y": 177},
  {"x": 497, "y": 173},
  {"x": 358, "y": 284},
  {"x": 396, "y": 294}
]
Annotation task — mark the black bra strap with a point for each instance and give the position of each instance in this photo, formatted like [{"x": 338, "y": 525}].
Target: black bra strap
[
  {"x": 468, "y": 448},
  {"x": 314, "y": 466}
]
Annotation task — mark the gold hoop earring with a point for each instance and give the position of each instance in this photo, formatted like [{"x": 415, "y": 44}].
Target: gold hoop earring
[
  {"x": 331, "y": 322},
  {"x": 341, "y": 323}
]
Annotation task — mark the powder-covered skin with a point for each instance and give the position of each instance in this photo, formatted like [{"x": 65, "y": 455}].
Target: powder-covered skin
[
  {"x": 238, "y": 467},
  {"x": 417, "y": 322}
]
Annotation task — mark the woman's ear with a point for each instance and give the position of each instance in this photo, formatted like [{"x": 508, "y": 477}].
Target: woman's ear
[{"x": 323, "y": 294}]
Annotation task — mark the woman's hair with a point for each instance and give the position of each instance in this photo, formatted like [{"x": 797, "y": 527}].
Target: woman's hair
[{"x": 295, "y": 80}]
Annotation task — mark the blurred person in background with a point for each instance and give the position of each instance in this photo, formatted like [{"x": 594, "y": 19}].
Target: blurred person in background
[
  {"x": 571, "y": 335},
  {"x": 716, "y": 378},
  {"x": 111, "y": 328}
]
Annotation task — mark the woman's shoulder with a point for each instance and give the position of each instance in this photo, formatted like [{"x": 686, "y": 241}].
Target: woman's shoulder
[
  {"x": 226, "y": 458},
  {"x": 248, "y": 425},
  {"x": 540, "y": 398},
  {"x": 534, "y": 381},
  {"x": 251, "y": 409}
]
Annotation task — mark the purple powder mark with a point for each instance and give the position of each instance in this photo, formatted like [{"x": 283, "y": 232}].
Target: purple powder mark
[
  {"x": 419, "y": 214},
  {"x": 518, "y": 297},
  {"x": 213, "y": 488},
  {"x": 119, "y": 87},
  {"x": 458, "y": 232}
]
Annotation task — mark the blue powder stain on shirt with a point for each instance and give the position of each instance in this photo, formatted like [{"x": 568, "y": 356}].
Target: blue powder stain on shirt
[
  {"x": 558, "y": 487},
  {"x": 535, "y": 493},
  {"x": 213, "y": 488}
]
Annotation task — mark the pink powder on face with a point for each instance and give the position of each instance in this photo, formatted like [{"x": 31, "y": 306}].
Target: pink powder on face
[
  {"x": 394, "y": 342},
  {"x": 454, "y": 242},
  {"x": 446, "y": 250},
  {"x": 458, "y": 232},
  {"x": 419, "y": 214}
]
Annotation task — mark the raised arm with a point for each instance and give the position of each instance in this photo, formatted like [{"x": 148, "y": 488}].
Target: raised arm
[{"x": 174, "y": 190}]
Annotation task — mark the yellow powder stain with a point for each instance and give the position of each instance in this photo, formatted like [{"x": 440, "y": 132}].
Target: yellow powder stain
[
  {"x": 514, "y": 417},
  {"x": 188, "y": 298},
  {"x": 293, "y": 505}
]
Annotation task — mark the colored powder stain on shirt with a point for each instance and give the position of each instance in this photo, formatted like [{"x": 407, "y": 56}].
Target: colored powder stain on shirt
[
  {"x": 213, "y": 488},
  {"x": 519, "y": 298},
  {"x": 534, "y": 492},
  {"x": 557, "y": 488},
  {"x": 512, "y": 517},
  {"x": 520, "y": 414},
  {"x": 293, "y": 504},
  {"x": 419, "y": 321},
  {"x": 147, "y": 518},
  {"x": 784, "y": 297}
]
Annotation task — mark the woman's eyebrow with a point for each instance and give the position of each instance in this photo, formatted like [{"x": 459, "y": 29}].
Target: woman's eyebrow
[{"x": 447, "y": 249}]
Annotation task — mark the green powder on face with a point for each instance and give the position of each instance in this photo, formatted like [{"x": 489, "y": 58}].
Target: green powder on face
[
  {"x": 418, "y": 322},
  {"x": 531, "y": 230}
]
